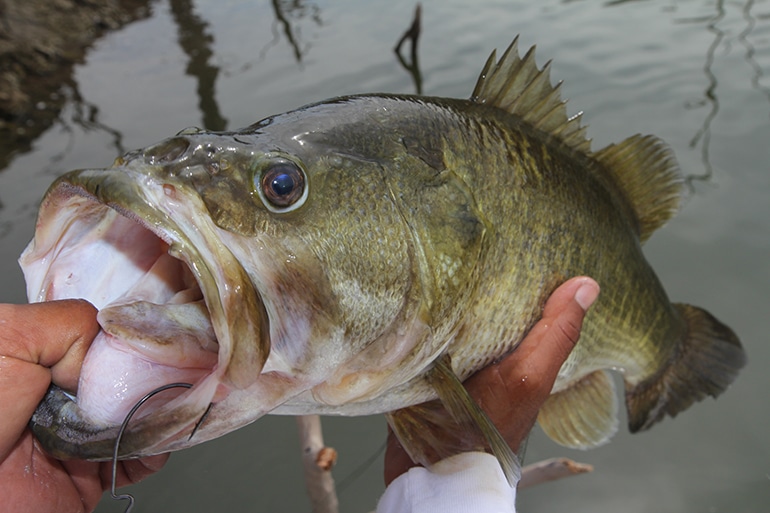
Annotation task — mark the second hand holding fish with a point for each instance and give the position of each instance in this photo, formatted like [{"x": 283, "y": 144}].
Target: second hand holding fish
[{"x": 512, "y": 390}]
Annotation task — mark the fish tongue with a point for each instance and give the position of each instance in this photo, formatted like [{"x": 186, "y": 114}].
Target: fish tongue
[{"x": 178, "y": 335}]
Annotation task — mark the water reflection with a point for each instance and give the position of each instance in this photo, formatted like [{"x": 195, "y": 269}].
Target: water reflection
[
  {"x": 196, "y": 44},
  {"x": 412, "y": 34},
  {"x": 289, "y": 15},
  {"x": 86, "y": 116},
  {"x": 710, "y": 98},
  {"x": 41, "y": 44},
  {"x": 703, "y": 135},
  {"x": 612, "y": 3},
  {"x": 287, "y": 10},
  {"x": 743, "y": 37}
]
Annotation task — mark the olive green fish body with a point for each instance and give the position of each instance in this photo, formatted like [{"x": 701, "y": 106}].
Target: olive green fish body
[
  {"x": 502, "y": 214},
  {"x": 358, "y": 256}
]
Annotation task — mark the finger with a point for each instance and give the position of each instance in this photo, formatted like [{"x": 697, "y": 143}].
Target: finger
[
  {"x": 554, "y": 336},
  {"x": 92, "y": 479},
  {"x": 397, "y": 461},
  {"x": 33, "y": 337},
  {"x": 31, "y": 480},
  {"x": 133, "y": 471},
  {"x": 54, "y": 334},
  {"x": 513, "y": 390},
  {"x": 22, "y": 386}
]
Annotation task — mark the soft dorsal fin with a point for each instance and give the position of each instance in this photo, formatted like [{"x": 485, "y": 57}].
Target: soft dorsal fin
[
  {"x": 646, "y": 170},
  {"x": 517, "y": 86}
]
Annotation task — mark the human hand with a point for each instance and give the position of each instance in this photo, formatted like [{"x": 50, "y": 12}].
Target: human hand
[
  {"x": 41, "y": 343},
  {"x": 512, "y": 391}
]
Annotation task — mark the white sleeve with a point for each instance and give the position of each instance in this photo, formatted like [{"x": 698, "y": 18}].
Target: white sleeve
[{"x": 467, "y": 482}]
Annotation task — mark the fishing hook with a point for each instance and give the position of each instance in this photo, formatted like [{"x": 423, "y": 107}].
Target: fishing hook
[
  {"x": 198, "y": 424},
  {"x": 128, "y": 496}
]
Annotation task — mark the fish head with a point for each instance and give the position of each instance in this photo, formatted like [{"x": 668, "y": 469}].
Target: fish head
[{"x": 258, "y": 266}]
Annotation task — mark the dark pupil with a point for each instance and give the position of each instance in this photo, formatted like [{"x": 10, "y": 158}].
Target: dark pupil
[{"x": 283, "y": 184}]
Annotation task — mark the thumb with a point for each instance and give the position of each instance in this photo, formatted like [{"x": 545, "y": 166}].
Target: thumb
[{"x": 559, "y": 328}]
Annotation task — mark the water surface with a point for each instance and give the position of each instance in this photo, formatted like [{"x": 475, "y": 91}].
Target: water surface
[{"x": 691, "y": 72}]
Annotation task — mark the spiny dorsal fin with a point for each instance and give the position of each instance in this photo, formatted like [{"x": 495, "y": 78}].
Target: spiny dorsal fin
[
  {"x": 646, "y": 170},
  {"x": 517, "y": 86}
]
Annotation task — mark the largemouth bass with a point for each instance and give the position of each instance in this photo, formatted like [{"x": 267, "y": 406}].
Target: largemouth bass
[{"x": 358, "y": 256}]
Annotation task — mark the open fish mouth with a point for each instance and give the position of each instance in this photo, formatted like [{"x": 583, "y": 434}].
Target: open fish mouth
[{"x": 174, "y": 306}]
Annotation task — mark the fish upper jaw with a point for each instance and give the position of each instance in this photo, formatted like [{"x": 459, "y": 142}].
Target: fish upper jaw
[{"x": 141, "y": 247}]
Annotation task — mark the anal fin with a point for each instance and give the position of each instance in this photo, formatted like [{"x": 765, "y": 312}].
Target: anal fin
[
  {"x": 583, "y": 416},
  {"x": 436, "y": 430}
]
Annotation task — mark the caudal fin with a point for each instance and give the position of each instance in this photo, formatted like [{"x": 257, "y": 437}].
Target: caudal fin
[{"x": 707, "y": 361}]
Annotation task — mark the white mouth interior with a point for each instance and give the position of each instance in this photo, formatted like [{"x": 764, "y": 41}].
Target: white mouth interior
[{"x": 156, "y": 329}]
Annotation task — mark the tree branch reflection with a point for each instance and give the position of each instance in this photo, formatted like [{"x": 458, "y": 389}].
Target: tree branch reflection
[
  {"x": 743, "y": 37},
  {"x": 85, "y": 115},
  {"x": 196, "y": 43},
  {"x": 297, "y": 9},
  {"x": 413, "y": 35},
  {"x": 703, "y": 135}
]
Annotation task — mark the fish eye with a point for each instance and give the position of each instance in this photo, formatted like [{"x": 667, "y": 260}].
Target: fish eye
[{"x": 282, "y": 186}]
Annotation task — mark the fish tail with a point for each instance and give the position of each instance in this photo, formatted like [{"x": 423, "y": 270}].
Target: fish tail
[{"x": 707, "y": 360}]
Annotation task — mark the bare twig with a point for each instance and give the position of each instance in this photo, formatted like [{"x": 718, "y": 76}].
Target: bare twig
[
  {"x": 550, "y": 470},
  {"x": 317, "y": 460}
]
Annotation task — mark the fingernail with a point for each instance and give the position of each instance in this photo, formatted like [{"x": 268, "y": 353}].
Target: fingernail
[{"x": 586, "y": 294}]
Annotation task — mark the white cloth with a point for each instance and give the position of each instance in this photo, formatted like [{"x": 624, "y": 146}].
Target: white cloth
[{"x": 467, "y": 482}]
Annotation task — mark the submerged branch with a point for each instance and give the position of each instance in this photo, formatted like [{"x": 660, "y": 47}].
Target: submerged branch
[
  {"x": 317, "y": 460},
  {"x": 550, "y": 470}
]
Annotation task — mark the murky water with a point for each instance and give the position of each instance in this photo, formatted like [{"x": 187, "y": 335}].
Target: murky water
[{"x": 692, "y": 72}]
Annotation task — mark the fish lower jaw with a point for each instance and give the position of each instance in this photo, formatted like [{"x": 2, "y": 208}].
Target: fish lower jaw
[
  {"x": 115, "y": 377},
  {"x": 156, "y": 328}
]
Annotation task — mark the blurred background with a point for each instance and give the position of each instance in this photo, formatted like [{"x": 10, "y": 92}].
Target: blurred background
[{"x": 82, "y": 82}]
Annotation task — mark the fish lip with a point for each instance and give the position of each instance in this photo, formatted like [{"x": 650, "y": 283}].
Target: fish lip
[{"x": 59, "y": 423}]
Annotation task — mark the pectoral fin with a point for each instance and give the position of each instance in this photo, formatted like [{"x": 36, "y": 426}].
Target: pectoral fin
[
  {"x": 436, "y": 430},
  {"x": 584, "y": 415}
]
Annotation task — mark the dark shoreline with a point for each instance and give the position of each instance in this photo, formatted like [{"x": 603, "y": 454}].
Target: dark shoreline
[{"x": 40, "y": 43}]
